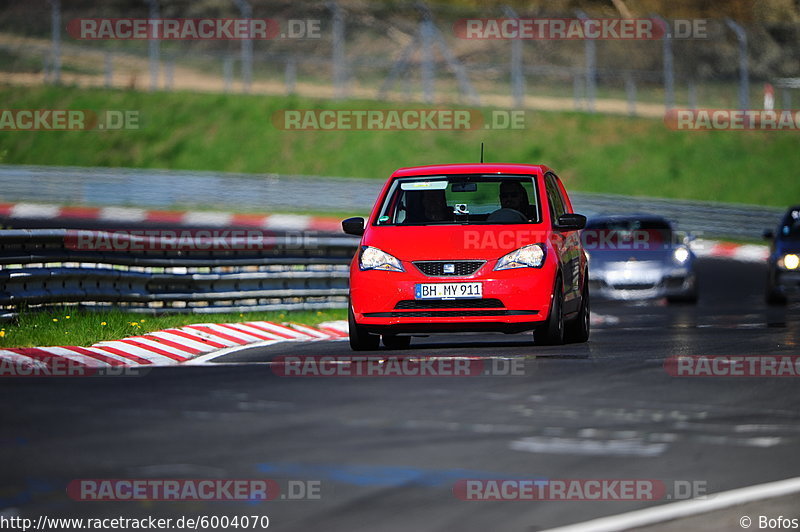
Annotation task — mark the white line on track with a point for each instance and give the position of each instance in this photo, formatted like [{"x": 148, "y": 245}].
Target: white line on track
[
  {"x": 677, "y": 510},
  {"x": 205, "y": 359}
]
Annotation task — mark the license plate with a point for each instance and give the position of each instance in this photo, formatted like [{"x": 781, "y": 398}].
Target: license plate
[
  {"x": 633, "y": 276},
  {"x": 447, "y": 290}
]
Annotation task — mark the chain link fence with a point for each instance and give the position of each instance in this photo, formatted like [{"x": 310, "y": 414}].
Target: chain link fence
[{"x": 403, "y": 51}]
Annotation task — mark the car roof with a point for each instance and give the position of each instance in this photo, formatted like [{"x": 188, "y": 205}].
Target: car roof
[{"x": 472, "y": 168}]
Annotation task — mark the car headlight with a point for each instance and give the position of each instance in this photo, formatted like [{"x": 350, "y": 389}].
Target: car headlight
[
  {"x": 531, "y": 256},
  {"x": 681, "y": 255},
  {"x": 789, "y": 262},
  {"x": 375, "y": 259}
]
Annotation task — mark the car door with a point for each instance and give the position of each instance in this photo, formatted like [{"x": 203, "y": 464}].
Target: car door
[{"x": 568, "y": 244}]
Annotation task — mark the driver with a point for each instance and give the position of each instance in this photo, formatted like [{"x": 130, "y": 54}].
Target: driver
[{"x": 514, "y": 196}]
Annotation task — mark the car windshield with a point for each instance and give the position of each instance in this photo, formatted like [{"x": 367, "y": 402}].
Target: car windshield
[
  {"x": 646, "y": 233},
  {"x": 461, "y": 199},
  {"x": 790, "y": 228}
]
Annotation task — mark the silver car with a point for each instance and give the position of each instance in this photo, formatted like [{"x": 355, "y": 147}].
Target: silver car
[{"x": 639, "y": 257}]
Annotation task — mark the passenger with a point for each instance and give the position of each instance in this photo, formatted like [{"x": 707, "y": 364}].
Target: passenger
[{"x": 434, "y": 205}]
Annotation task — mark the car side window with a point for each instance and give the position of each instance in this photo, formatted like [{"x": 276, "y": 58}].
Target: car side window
[{"x": 554, "y": 198}]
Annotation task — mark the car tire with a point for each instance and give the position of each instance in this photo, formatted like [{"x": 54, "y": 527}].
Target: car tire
[
  {"x": 551, "y": 332},
  {"x": 577, "y": 331},
  {"x": 360, "y": 339},
  {"x": 689, "y": 297},
  {"x": 393, "y": 341},
  {"x": 775, "y": 298}
]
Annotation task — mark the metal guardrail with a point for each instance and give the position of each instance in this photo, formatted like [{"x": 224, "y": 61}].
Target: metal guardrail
[
  {"x": 269, "y": 193},
  {"x": 45, "y": 267}
]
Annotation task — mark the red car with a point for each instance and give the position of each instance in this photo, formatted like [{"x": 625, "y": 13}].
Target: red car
[{"x": 469, "y": 247}]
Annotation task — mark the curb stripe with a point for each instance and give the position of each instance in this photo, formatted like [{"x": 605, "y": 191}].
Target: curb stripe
[
  {"x": 126, "y": 357},
  {"x": 167, "y": 354},
  {"x": 202, "y": 340},
  {"x": 107, "y": 359},
  {"x": 175, "y": 345},
  {"x": 217, "y": 334},
  {"x": 193, "y": 344},
  {"x": 242, "y": 329}
]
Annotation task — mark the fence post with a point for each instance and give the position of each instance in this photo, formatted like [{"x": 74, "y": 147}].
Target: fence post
[
  {"x": 337, "y": 51},
  {"x": 153, "y": 46},
  {"x": 169, "y": 82},
  {"x": 692, "y": 94},
  {"x": 630, "y": 92},
  {"x": 744, "y": 77},
  {"x": 577, "y": 89},
  {"x": 247, "y": 47},
  {"x": 517, "y": 77},
  {"x": 55, "y": 62},
  {"x": 227, "y": 73},
  {"x": 591, "y": 67},
  {"x": 291, "y": 75},
  {"x": 669, "y": 66},
  {"x": 426, "y": 37},
  {"x": 109, "y": 70}
]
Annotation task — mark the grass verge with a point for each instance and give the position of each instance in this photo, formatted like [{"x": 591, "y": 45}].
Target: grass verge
[
  {"x": 81, "y": 328},
  {"x": 235, "y": 133}
]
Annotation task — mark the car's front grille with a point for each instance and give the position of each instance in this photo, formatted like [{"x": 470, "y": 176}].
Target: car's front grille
[
  {"x": 633, "y": 286},
  {"x": 447, "y": 268},
  {"x": 447, "y": 304}
]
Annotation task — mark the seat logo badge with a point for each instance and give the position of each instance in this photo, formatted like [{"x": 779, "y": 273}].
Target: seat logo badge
[{"x": 449, "y": 268}]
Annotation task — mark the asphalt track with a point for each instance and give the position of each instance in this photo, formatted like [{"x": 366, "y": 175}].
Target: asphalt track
[{"x": 388, "y": 451}]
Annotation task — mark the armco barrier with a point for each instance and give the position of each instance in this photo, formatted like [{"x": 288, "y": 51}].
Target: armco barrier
[
  {"x": 116, "y": 189},
  {"x": 45, "y": 267}
]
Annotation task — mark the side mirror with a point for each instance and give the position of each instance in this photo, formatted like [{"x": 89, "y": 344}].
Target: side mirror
[
  {"x": 768, "y": 234},
  {"x": 353, "y": 226},
  {"x": 570, "y": 222}
]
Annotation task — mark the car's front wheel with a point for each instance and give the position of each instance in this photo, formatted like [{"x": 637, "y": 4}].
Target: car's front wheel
[
  {"x": 551, "y": 332},
  {"x": 577, "y": 331},
  {"x": 360, "y": 339}
]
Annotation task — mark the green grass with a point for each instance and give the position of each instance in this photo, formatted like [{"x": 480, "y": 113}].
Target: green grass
[
  {"x": 70, "y": 327},
  {"x": 593, "y": 153}
]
